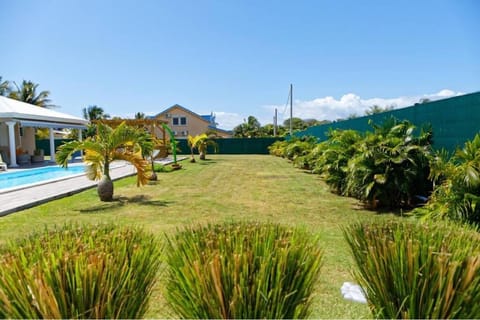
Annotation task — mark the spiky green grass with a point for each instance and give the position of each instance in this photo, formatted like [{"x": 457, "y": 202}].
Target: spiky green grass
[
  {"x": 418, "y": 271},
  {"x": 79, "y": 272},
  {"x": 259, "y": 188}
]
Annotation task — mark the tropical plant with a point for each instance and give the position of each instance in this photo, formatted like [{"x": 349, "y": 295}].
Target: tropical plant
[
  {"x": 297, "y": 124},
  {"x": 330, "y": 158},
  {"x": 375, "y": 109},
  {"x": 299, "y": 147},
  {"x": 242, "y": 271},
  {"x": 140, "y": 115},
  {"x": 417, "y": 271},
  {"x": 108, "y": 145},
  {"x": 250, "y": 128},
  {"x": 457, "y": 195},
  {"x": 27, "y": 92},
  {"x": 192, "y": 144},
  {"x": 93, "y": 114},
  {"x": 278, "y": 148},
  {"x": 390, "y": 167},
  {"x": 72, "y": 272},
  {"x": 4, "y": 87},
  {"x": 201, "y": 143}
]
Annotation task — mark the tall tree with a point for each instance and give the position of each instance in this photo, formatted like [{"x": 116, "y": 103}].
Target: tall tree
[
  {"x": 93, "y": 113},
  {"x": 377, "y": 109},
  {"x": 297, "y": 124},
  {"x": 4, "y": 87},
  {"x": 248, "y": 129},
  {"x": 140, "y": 115},
  {"x": 27, "y": 92}
]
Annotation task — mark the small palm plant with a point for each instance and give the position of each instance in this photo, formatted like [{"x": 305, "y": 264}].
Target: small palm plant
[
  {"x": 108, "y": 145},
  {"x": 192, "y": 143},
  {"x": 457, "y": 195},
  {"x": 390, "y": 166},
  {"x": 202, "y": 142}
]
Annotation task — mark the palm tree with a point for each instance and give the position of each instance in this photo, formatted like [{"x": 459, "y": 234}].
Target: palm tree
[
  {"x": 201, "y": 142},
  {"x": 93, "y": 113},
  {"x": 192, "y": 143},
  {"x": 27, "y": 92},
  {"x": 4, "y": 87},
  {"x": 108, "y": 145},
  {"x": 248, "y": 129},
  {"x": 140, "y": 115}
]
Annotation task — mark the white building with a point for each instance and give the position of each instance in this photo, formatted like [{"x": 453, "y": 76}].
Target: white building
[{"x": 18, "y": 121}]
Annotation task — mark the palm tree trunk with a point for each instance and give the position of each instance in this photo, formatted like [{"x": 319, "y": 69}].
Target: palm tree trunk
[
  {"x": 105, "y": 185},
  {"x": 105, "y": 189},
  {"x": 192, "y": 159}
]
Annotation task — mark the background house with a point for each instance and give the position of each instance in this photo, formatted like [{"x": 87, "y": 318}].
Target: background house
[{"x": 184, "y": 122}]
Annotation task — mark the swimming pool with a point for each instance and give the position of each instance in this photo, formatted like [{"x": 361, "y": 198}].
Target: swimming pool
[{"x": 21, "y": 178}]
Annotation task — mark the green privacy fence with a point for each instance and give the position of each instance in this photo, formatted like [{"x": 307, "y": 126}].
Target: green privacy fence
[
  {"x": 453, "y": 121},
  {"x": 225, "y": 146},
  {"x": 235, "y": 145}
]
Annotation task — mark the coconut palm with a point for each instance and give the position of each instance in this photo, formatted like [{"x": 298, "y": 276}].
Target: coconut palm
[
  {"x": 108, "y": 145},
  {"x": 27, "y": 92}
]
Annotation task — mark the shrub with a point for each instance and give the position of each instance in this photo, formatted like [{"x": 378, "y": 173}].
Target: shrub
[
  {"x": 390, "y": 167},
  {"x": 457, "y": 196},
  {"x": 157, "y": 167},
  {"x": 332, "y": 161},
  {"x": 242, "y": 270},
  {"x": 278, "y": 148},
  {"x": 299, "y": 147},
  {"x": 417, "y": 271},
  {"x": 79, "y": 272}
]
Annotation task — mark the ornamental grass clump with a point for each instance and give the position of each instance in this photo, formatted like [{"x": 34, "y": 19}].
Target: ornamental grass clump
[
  {"x": 79, "y": 272},
  {"x": 417, "y": 271},
  {"x": 242, "y": 270}
]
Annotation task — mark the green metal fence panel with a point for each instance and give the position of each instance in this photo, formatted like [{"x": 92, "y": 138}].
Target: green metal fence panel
[
  {"x": 453, "y": 121},
  {"x": 225, "y": 145},
  {"x": 235, "y": 145}
]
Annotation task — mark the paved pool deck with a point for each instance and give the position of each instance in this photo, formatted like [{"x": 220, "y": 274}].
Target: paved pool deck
[{"x": 17, "y": 200}]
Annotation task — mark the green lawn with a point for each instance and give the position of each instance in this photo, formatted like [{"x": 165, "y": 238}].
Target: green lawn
[{"x": 225, "y": 188}]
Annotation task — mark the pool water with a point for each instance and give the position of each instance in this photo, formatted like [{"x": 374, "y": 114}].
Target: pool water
[{"x": 19, "y": 178}]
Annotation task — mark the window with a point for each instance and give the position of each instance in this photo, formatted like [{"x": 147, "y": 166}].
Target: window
[{"x": 179, "y": 121}]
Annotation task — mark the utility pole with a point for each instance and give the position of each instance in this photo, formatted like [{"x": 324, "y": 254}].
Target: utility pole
[
  {"x": 275, "y": 123},
  {"x": 291, "y": 107}
]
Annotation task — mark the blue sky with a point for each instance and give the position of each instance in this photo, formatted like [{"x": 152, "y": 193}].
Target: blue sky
[{"x": 237, "y": 58}]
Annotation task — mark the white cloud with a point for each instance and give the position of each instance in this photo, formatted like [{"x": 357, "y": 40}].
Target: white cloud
[
  {"x": 329, "y": 108},
  {"x": 228, "y": 120}
]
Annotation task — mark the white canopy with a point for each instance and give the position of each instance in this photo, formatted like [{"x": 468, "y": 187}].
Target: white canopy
[{"x": 33, "y": 116}]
